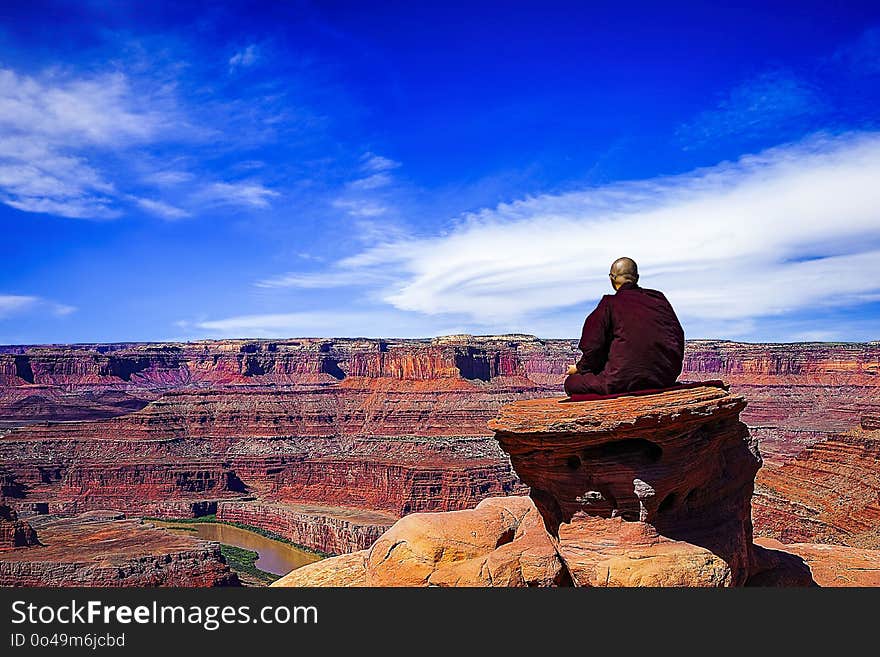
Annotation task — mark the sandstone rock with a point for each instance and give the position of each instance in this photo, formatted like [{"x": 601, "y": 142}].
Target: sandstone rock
[
  {"x": 675, "y": 470},
  {"x": 613, "y": 552},
  {"x": 828, "y": 565},
  {"x": 14, "y": 533},
  {"x": 434, "y": 550},
  {"x": 346, "y": 570},
  {"x": 100, "y": 549},
  {"x": 501, "y": 542}
]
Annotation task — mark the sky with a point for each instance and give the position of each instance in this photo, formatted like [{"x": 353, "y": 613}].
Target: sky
[{"x": 181, "y": 171}]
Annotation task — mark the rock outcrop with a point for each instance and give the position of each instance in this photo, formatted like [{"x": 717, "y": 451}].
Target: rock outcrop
[
  {"x": 640, "y": 490},
  {"x": 501, "y": 542},
  {"x": 106, "y": 549},
  {"x": 829, "y": 565},
  {"x": 14, "y": 533}
]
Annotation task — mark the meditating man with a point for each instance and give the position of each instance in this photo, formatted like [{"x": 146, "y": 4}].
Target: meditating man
[{"x": 631, "y": 341}]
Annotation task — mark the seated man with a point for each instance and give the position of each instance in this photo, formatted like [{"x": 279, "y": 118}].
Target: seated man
[{"x": 631, "y": 341}]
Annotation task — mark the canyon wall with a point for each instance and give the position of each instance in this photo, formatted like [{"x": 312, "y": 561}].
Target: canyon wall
[
  {"x": 352, "y": 426},
  {"x": 106, "y": 549}
]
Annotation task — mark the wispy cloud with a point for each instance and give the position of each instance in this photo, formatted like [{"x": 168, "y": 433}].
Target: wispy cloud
[
  {"x": 244, "y": 58},
  {"x": 368, "y": 196},
  {"x": 792, "y": 228},
  {"x": 318, "y": 280},
  {"x": 49, "y": 126},
  {"x": 17, "y": 304},
  {"x": 271, "y": 323},
  {"x": 168, "y": 178},
  {"x": 11, "y": 304},
  {"x": 100, "y": 110},
  {"x": 366, "y": 323},
  {"x": 372, "y": 163},
  {"x": 248, "y": 194},
  {"x": 757, "y": 107},
  {"x": 374, "y": 181},
  {"x": 363, "y": 208},
  {"x": 161, "y": 209},
  {"x": 97, "y": 145}
]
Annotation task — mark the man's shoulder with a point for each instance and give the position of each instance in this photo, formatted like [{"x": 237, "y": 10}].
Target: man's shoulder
[
  {"x": 650, "y": 292},
  {"x": 643, "y": 292}
]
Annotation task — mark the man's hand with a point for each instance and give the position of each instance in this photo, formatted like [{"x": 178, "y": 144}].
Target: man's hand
[{"x": 572, "y": 369}]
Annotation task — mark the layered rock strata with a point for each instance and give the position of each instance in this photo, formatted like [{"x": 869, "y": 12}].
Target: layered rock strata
[
  {"x": 829, "y": 493},
  {"x": 14, "y": 533},
  {"x": 659, "y": 475},
  {"x": 331, "y": 530},
  {"x": 393, "y": 426},
  {"x": 105, "y": 549}
]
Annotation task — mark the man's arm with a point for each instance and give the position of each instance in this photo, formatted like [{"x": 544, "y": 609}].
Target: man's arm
[{"x": 595, "y": 338}]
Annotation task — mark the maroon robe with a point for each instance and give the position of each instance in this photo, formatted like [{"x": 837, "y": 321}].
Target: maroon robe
[{"x": 631, "y": 341}]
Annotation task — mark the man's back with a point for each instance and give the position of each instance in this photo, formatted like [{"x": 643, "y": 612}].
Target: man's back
[
  {"x": 632, "y": 341},
  {"x": 647, "y": 341}
]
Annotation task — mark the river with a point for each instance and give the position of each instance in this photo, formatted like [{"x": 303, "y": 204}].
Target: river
[{"x": 274, "y": 556}]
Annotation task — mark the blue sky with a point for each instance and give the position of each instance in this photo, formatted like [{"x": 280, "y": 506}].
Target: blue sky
[{"x": 172, "y": 172}]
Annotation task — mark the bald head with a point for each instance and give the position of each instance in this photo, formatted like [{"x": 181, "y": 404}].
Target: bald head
[{"x": 623, "y": 270}]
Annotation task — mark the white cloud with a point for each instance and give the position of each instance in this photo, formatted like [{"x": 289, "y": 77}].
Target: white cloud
[
  {"x": 246, "y": 194},
  {"x": 244, "y": 58},
  {"x": 11, "y": 304},
  {"x": 168, "y": 178},
  {"x": 16, "y": 304},
  {"x": 99, "y": 110},
  {"x": 374, "y": 181},
  {"x": 318, "y": 280},
  {"x": 789, "y": 229},
  {"x": 320, "y": 324},
  {"x": 49, "y": 122},
  {"x": 161, "y": 209},
  {"x": 364, "y": 208},
  {"x": 372, "y": 163}
]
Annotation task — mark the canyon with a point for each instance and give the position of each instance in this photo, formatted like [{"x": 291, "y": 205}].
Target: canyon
[
  {"x": 106, "y": 549},
  {"x": 327, "y": 442}
]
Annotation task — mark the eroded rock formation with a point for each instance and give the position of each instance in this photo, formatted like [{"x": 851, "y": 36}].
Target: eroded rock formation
[
  {"x": 332, "y": 530},
  {"x": 14, "y": 533},
  {"x": 105, "y": 549},
  {"x": 501, "y": 542},
  {"x": 661, "y": 479}
]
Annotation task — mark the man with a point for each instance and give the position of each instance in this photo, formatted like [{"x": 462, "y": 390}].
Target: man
[{"x": 631, "y": 341}]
